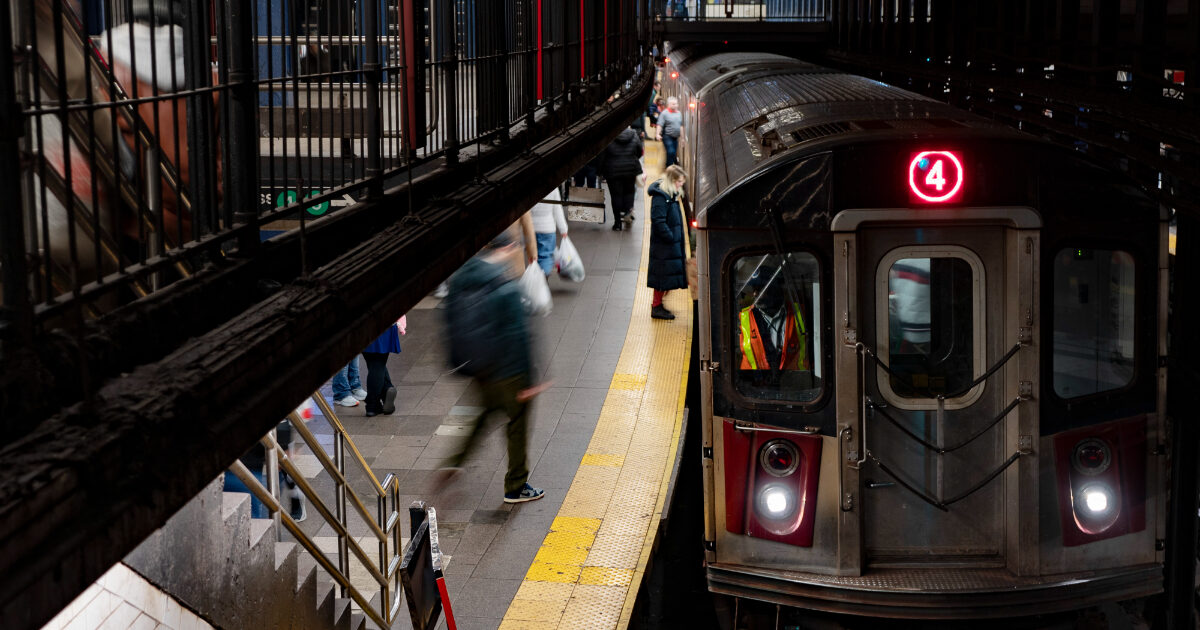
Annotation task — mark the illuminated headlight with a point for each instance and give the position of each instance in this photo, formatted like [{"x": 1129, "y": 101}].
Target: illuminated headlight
[
  {"x": 776, "y": 501},
  {"x": 1097, "y": 499}
]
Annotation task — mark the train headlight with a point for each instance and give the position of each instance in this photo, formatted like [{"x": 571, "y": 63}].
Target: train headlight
[
  {"x": 776, "y": 501},
  {"x": 1097, "y": 499},
  {"x": 779, "y": 458},
  {"x": 1091, "y": 456}
]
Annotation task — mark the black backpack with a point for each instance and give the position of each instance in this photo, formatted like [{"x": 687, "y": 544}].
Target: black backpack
[{"x": 469, "y": 329}]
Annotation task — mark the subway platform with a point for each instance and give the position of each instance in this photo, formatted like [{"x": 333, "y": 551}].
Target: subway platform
[{"x": 602, "y": 443}]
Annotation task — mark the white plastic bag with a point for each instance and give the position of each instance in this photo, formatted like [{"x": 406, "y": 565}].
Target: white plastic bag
[
  {"x": 566, "y": 258},
  {"x": 535, "y": 293}
]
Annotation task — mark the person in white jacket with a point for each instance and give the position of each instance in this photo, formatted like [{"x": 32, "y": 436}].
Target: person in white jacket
[{"x": 548, "y": 218}]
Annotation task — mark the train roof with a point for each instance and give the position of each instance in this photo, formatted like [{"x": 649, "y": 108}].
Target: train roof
[{"x": 758, "y": 108}]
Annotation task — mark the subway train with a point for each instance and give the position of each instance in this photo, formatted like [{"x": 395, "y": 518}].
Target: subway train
[{"x": 929, "y": 352}]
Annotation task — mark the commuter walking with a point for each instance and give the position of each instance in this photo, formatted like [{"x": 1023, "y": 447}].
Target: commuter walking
[
  {"x": 347, "y": 385},
  {"x": 668, "y": 259},
  {"x": 489, "y": 341},
  {"x": 548, "y": 219},
  {"x": 670, "y": 126},
  {"x": 381, "y": 394},
  {"x": 621, "y": 168}
]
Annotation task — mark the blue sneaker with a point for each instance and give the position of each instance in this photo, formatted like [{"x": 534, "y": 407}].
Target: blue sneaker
[{"x": 528, "y": 493}]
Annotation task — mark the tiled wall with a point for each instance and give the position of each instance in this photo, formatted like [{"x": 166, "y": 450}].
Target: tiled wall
[{"x": 122, "y": 599}]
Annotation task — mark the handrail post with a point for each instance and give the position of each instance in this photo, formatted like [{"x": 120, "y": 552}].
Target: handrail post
[
  {"x": 273, "y": 481},
  {"x": 451, "y": 66},
  {"x": 243, "y": 137},
  {"x": 372, "y": 75},
  {"x": 339, "y": 460},
  {"x": 385, "y": 602}
]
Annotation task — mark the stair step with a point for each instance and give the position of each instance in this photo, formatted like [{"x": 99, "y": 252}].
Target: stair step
[
  {"x": 358, "y": 621},
  {"x": 258, "y": 528},
  {"x": 283, "y": 550},
  {"x": 341, "y": 613},
  {"x": 232, "y": 503}
]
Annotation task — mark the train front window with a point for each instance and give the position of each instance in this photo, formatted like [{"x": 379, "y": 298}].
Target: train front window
[
  {"x": 776, "y": 327},
  {"x": 1093, "y": 321},
  {"x": 932, "y": 312}
]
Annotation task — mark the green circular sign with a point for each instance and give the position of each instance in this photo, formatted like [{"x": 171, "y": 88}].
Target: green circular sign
[
  {"x": 285, "y": 198},
  {"x": 320, "y": 208}
]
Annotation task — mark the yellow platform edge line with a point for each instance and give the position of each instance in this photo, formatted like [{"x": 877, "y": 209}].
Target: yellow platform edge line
[{"x": 554, "y": 595}]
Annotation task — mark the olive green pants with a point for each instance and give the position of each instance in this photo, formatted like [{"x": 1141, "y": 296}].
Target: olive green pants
[{"x": 502, "y": 396}]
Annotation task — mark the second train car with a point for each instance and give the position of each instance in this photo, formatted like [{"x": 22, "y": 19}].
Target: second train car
[{"x": 929, "y": 351}]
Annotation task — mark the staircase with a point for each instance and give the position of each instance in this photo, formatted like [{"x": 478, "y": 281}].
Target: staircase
[{"x": 228, "y": 568}]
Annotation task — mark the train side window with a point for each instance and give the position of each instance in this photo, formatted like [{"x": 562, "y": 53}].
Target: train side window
[
  {"x": 932, "y": 337},
  {"x": 777, "y": 326},
  {"x": 1093, "y": 321}
]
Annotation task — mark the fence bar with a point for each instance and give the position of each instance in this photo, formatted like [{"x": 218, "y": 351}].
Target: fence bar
[
  {"x": 451, "y": 66},
  {"x": 201, "y": 155},
  {"x": 16, "y": 313},
  {"x": 372, "y": 74},
  {"x": 242, "y": 114}
]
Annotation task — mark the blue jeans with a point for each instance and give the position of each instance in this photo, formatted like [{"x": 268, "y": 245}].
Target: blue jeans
[
  {"x": 670, "y": 145},
  {"x": 545, "y": 245},
  {"x": 233, "y": 484},
  {"x": 346, "y": 380}
]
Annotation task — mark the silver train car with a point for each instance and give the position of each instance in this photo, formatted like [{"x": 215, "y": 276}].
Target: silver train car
[{"x": 929, "y": 352}]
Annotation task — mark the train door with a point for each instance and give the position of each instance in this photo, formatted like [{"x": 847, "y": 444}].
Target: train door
[{"x": 942, "y": 313}]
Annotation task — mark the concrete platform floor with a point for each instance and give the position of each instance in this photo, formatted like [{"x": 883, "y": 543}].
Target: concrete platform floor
[{"x": 490, "y": 543}]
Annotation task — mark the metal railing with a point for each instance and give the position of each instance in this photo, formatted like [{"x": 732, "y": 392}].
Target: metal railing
[
  {"x": 743, "y": 10},
  {"x": 148, "y": 148},
  {"x": 383, "y": 525}
]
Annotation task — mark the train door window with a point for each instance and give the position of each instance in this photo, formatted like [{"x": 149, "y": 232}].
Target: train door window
[
  {"x": 931, "y": 325},
  {"x": 1093, "y": 321},
  {"x": 777, "y": 327}
]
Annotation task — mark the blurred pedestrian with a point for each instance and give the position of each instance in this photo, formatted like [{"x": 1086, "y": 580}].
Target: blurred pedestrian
[
  {"x": 381, "y": 394},
  {"x": 347, "y": 385},
  {"x": 668, "y": 259},
  {"x": 621, "y": 168},
  {"x": 490, "y": 341},
  {"x": 670, "y": 126},
  {"x": 548, "y": 219},
  {"x": 588, "y": 176}
]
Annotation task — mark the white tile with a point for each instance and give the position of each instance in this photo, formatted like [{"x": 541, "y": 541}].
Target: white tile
[
  {"x": 189, "y": 621},
  {"x": 96, "y": 612},
  {"x": 171, "y": 614},
  {"x": 143, "y": 622},
  {"x": 121, "y": 618},
  {"x": 453, "y": 429},
  {"x": 76, "y": 606}
]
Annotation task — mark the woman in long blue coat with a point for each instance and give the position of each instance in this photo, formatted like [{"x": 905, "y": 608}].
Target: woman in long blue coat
[
  {"x": 668, "y": 262},
  {"x": 381, "y": 394}
]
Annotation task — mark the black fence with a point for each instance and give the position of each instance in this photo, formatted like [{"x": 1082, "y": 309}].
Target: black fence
[
  {"x": 1115, "y": 80},
  {"x": 149, "y": 138},
  {"x": 742, "y": 10}
]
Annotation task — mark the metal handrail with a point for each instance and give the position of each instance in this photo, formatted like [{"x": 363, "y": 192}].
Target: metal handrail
[
  {"x": 327, "y": 411},
  {"x": 239, "y": 469},
  {"x": 383, "y": 525}
]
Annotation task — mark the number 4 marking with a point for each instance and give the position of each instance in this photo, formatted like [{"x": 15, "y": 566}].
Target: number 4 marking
[{"x": 935, "y": 177}]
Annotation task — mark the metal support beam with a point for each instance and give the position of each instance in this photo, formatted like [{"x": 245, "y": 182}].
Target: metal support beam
[
  {"x": 16, "y": 314},
  {"x": 242, "y": 158},
  {"x": 159, "y": 434},
  {"x": 1184, "y": 379}
]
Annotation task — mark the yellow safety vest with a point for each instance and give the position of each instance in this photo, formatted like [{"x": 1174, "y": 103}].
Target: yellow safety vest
[{"x": 794, "y": 355}]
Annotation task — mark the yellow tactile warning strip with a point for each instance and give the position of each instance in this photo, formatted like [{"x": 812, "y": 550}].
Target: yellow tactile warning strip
[{"x": 587, "y": 571}]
